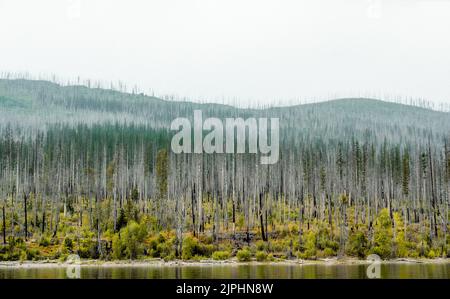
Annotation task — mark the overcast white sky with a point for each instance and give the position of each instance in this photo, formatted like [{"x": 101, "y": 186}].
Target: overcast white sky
[{"x": 254, "y": 50}]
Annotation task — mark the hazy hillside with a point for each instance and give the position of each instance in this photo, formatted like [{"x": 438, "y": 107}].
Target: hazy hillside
[{"x": 34, "y": 104}]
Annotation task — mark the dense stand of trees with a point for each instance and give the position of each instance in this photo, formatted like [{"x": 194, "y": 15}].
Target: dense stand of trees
[
  {"x": 103, "y": 170},
  {"x": 103, "y": 176}
]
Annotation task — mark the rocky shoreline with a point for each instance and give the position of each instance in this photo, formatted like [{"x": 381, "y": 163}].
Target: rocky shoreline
[{"x": 162, "y": 263}]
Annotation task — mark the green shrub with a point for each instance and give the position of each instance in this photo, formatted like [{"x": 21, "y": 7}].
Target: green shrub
[
  {"x": 431, "y": 254},
  {"x": 32, "y": 254},
  {"x": 133, "y": 235},
  {"x": 244, "y": 255},
  {"x": 189, "y": 248},
  {"x": 129, "y": 242},
  {"x": 261, "y": 256},
  {"x": 301, "y": 255},
  {"x": 68, "y": 244},
  {"x": 205, "y": 239},
  {"x": 117, "y": 248},
  {"x": 161, "y": 238},
  {"x": 169, "y": 257},
  {"x": 23, "y": 255},
  {"x": 192, "y": 247},
  {"x": 322, "y": 238},
  {"x": 163, "y": 250},
  {"x": 19, "y": 242},
  {"x": 221, "y": 255},
  {"x": 14, "y": 256},
  {"x": 383, "y": 252},
  {"x": 196, "y": 258},
  {"x": 329, "y": 252},
  {"x": 44, "y": 241},
  {"x": 293, "y": 228},
  {"x": 225, "y": 246},
  {"x": 357, "y": 245},
  {"x": 383, "y": 235},
  {"x": 309, "y": 249},
  {"x": 161, "y": 246},
  {"x": 261, "y": 245},
  {"x": 277, "y": 246},
  {"x": 400, "y": 244},
  {"x": 87, "y": 247}
]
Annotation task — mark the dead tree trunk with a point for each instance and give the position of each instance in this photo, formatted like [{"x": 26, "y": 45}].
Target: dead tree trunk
[
  {"x": 193, "y": 210},
  {"x": 4, "y": 224},
  {"x": 43, "y": 213},
  {"x": 25, "y": 197},
  {"x": 433, "y": 194},
  {"x": 261, "y": 218}
]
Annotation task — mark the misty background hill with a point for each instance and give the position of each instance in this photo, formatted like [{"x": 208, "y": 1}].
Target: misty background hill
[{"x": 29, "y": 106}]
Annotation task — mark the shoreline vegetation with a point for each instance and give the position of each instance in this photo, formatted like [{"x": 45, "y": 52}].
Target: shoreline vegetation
[{"x": 140, "y": 239}]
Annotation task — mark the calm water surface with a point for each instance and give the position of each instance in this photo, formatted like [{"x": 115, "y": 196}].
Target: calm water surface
[{"x": 254, "y": 271}]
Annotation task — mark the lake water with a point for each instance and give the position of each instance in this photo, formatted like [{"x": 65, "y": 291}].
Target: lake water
[{"x": 242, "y": 271}]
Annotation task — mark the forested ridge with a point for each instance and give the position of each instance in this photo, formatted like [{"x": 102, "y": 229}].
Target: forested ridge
[{"x": 90, "y": 171}]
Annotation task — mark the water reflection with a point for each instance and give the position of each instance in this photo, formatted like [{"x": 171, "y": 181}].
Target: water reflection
[{"x": 254, "y": 271}]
